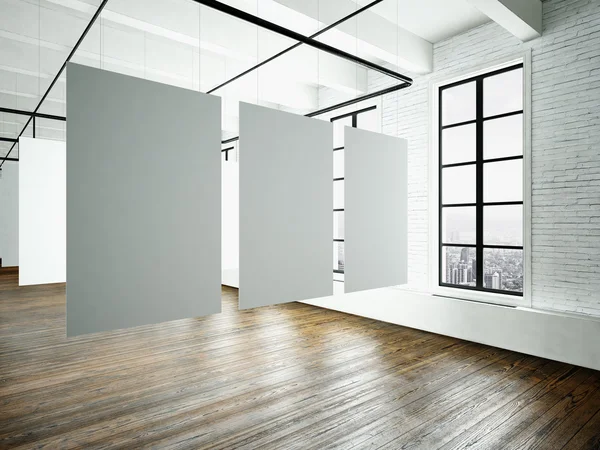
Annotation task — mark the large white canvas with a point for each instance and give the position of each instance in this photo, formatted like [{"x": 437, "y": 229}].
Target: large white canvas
[
  {"x": 230, "y": 235},
  {"x": 143, "y": 202},
  {"x": 9, "y": 214},
  {"x": 286, "y": 203},
  {"x": 376, "y": 226},
  {"x": 42, "y": 211}
]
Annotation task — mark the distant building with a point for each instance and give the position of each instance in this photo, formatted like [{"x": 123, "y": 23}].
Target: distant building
[
  {"x": 454, "y": 276},
  {"x": 487, "y": 280},
  {"x": 464, "y": 255},
  {"x": 474, "y": 269},
  {"x": 496, "y": 278}
]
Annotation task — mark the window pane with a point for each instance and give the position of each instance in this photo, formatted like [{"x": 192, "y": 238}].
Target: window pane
[
  {"x": 338, "y": 194},
  {"x": 338, "y": 131},
  {"x": 458, "y": 104},
  {"x": 503, "y": 93},
  {"x": 459, "y": 266},
  {"x": 458, "y": 185},
  {"x": 459, "y": 144},
  {"x": 503, "y": 269},
  {"x": 338, "y": 164},
  {"x": 503, "y": 137},
  {"x": 459, "y": 225},
  {"x": 338, "y": 225},
  {"x": 503, "y": 181},
  {"x": 338, "y": 256},
  {"x": 368, "y": 120},
  {"x": 503, "y": 225}
]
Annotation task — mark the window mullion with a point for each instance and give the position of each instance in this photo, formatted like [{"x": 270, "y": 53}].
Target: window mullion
[{"x": 479, "y": 182}]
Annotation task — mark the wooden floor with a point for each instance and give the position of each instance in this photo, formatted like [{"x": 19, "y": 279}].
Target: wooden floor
[{"x": 284, "y": 377}]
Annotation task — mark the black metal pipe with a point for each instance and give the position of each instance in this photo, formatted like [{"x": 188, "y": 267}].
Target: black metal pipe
[
  {"x": 243, "y": 15},
  {"x": 77, "y": 44},
  {"x": 39, "y": 115},
  {"x": 296, "y": 45}
]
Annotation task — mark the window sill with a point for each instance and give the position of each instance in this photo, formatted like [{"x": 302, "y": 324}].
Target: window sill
[{"x": 480, "y": 297}]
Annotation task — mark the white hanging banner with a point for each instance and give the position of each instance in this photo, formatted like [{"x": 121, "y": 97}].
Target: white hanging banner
[
  {"x": 376, "y": 201},
  {"x": 143, "y": 202},
  {"x": 286, "y": 207}
]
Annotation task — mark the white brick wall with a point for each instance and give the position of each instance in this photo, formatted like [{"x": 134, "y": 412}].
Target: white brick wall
[{"x": 565, "y": 148}]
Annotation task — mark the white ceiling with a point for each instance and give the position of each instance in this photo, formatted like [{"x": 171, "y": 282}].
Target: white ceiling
[
  {"x": 433, "y": 20},
  {"x": 180, "y": 43}
]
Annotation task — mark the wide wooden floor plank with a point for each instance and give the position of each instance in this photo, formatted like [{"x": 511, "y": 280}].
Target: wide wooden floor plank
[{"x": 290, "y": 376}]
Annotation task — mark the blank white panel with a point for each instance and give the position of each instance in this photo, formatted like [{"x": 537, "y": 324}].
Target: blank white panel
[
  {"x": 42, "y": 211},
  {"x": 143, "y": 202},
  {"x": 9, "y": 214},
  {"x": 376, "y": 227},
  {"x": 230, "y": 223},
  {"x": 286, "y": 204}
]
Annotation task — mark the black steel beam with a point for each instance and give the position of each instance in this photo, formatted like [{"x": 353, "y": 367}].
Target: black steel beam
[
  {"x": 298, "y": 44},
  {"x": 14, "y": 141},
  {"x": 243, "y": 15},
  {"x": 39, "y": 115},
  {"x": 62, "y": 68},
  {"x": 9, "y": 159}
]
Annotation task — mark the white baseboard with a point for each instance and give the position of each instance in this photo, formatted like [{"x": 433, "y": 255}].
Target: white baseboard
[
  {"x": 230, "y": 277},
  {"x": 569, "y": 339}
]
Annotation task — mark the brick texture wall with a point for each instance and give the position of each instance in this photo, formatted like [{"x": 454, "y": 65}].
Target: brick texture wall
[{"x": 565, "y": 148}]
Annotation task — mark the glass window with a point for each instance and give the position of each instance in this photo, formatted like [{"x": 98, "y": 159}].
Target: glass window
[
  {"x": 503, "y": 181},
  {"x": 503, "y": 93},
  {"x": 503, "y": 269},
  {"x": 503, "y": 137},
  {"x": 458, "y": 104},
  {"x": 503, "y": 225},
  {"x": 459, "y": 225},
  {"x": 458, "y": 185},
  {"x": 459, "y": 266},
  {"x": 459, "y": 144},
  {"x": 338, "y": 164},
  {"x": 484, "y": 238},
  {"x": 338, "y": 130}
]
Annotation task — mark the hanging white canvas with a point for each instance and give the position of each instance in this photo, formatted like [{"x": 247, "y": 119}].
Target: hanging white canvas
[
  {"x": 286, "y": 204},
  {"x": 42, "y": 211},
  {"x": 143, "y": 202},
  {"x": 376, "y": 225}
]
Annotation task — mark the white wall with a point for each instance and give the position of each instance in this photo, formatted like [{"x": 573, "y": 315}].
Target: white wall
[
  {"x": 42, "y": 211},
  {"x": 545, "y": 334},
  {"x": 230, "y": 221},
  {"x": 9, "y": 214},
  {"x": 565, "y": 148}
]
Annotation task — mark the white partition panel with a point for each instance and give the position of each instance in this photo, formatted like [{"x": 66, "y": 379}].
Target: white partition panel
[
  {"x": 9, "y": 214},
  {"x": 143, "y": 202},
  {"x": 230, "y": 235},
  {"x": 42, "y": 211},
  {"x": 286, "y": 202},
  {"x": 376, "y": 227}
]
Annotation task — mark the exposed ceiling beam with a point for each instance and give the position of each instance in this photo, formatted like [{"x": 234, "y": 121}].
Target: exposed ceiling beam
[
  {"x": 522, "y": 18},
  {"x": 372, "y": 34}
]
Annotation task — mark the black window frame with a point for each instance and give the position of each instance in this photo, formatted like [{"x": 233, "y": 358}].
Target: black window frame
[
  {"x": 354, "y": 115},
  {"x": 479, "y": 204}
]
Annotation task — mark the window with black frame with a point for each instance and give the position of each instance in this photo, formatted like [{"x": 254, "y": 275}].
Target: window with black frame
[
  {"x": 366, "y": 119},
  {"x": 481, "y": 182}
]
